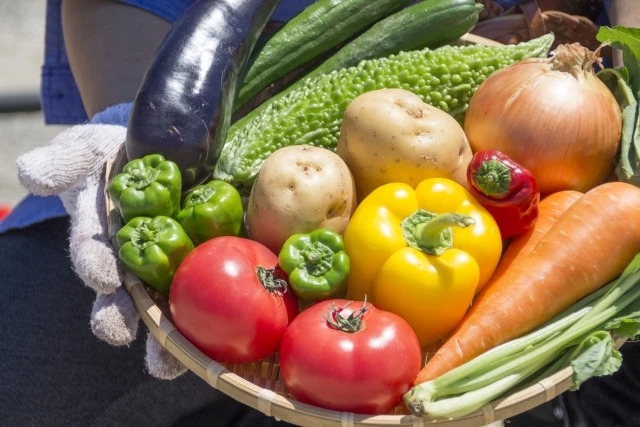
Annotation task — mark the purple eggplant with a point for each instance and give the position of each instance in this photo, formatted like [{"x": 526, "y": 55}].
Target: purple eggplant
[{"x": 183, "y": 107}]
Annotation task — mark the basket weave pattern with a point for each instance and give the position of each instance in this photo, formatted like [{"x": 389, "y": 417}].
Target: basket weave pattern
[{"x": 534, "y": 18}]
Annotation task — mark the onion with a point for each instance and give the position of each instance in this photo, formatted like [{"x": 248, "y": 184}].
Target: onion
[{"x": 551, "y": 115}]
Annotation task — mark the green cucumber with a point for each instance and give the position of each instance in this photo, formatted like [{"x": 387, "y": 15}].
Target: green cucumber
[
  {"x": 318, "y": 28},
  {"x": 428, "y": 23}
]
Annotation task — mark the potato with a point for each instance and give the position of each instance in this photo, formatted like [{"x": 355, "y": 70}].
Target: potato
[
  {"x": 299, "y": 188},
  {"x": 391, "y": 135}
]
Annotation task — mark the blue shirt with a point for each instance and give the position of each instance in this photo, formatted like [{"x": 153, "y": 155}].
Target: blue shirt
[
  {"x": 60, "y": 98},
  {"x": 61, "y": 103}
]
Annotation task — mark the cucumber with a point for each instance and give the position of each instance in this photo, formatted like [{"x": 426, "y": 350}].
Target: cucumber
[
  {"x": 426, "y": 24},
  {"x": 318, "y": 28}
]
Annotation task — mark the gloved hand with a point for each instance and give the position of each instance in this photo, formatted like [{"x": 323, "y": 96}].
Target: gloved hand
[{"x": 72, "y": 166}]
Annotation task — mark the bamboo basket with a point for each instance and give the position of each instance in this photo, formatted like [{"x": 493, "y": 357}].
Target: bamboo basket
[{"x": 259, "y": 386}]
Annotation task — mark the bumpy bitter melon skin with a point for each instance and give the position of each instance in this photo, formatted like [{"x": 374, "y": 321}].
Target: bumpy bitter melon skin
[{"x": 312, "y": 113}]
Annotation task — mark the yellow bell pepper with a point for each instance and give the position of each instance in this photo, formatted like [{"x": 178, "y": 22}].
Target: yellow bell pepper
[{"x": 421, "y": 253}]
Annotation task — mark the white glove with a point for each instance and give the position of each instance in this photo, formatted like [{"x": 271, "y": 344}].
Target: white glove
[{"x": 72, "y": 166}]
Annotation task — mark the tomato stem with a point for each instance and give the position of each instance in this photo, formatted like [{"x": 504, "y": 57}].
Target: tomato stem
[
  {"x": 271, "y": 279},
  {"x": 349, "y": 324}
]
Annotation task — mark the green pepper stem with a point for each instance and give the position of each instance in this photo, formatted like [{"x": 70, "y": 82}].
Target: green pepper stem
[
  {"x": 199, "y": 196},
  {"x": 142, "y": 177},
  {"x": 146, "y": 233},
  {"x": 317, "y": 258},
  {"x": 143, "y": 236},
  {"x": 314, "y": 257}
]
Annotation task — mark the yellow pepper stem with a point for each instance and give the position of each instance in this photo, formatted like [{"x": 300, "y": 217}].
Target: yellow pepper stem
[{"x": 431, "y": 233}]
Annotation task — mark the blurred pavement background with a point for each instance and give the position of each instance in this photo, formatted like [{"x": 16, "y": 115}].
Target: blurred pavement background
[{"x": 21, "y": 54}]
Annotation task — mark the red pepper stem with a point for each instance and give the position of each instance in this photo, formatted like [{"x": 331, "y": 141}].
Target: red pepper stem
[
  {"x": 507, "y": 190},
  {"x": 433, "y": 236},
  {"x": 493, "y": 178}
]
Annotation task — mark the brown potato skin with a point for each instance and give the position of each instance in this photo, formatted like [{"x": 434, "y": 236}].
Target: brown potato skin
[
  {"x": 391, "y": 135},
  {"x": 299, "y": 188}
]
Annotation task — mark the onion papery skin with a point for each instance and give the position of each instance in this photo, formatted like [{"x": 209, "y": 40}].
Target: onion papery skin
[{"x": 564, "y": 125}]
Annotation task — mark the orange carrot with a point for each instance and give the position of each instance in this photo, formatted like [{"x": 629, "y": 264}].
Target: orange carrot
[
  {"x": 589, "y": 245},
  {"x": 549, "y": 210}
]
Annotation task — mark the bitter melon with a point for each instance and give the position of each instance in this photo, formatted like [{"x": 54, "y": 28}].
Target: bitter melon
[{"x": 445, "y": 77}]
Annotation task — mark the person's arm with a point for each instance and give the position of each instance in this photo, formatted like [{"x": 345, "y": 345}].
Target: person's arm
[
  {"x": 625, "y": 13},
  {"x": 109, "y": 45}
]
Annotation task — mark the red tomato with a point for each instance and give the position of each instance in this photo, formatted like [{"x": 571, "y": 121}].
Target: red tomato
[
  {"x": 220, "y": 304},
  {"x": 366, "y": 371}
]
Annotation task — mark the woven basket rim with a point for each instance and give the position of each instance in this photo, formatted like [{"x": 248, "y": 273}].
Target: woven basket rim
[{"x": 282, "y": 408}]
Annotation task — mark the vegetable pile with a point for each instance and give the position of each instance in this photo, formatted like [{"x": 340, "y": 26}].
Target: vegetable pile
[{"x": 389, "y": 201}]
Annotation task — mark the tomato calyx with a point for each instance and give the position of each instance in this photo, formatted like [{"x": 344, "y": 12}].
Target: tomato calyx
[
  {"x": 272, "y": 280},
  {"x": 351, "y": 323}
]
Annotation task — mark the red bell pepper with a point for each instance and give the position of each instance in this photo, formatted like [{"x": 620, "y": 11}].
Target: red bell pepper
[{"x": 506, "y": 189}]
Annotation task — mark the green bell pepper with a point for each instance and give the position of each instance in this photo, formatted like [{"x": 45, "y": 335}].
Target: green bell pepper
[
  {"x": 153, "y": 248},
  {"x": 150, "y": 186},
  {"x": 211, "y": 210},
  {"x": 316, "y": 263}
]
